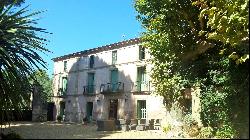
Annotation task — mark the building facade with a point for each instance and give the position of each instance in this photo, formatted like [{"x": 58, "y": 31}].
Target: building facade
[{"x": 108, "y": 82}]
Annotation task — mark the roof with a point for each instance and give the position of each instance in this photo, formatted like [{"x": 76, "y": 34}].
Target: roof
[{"x": 99, "y": 49}]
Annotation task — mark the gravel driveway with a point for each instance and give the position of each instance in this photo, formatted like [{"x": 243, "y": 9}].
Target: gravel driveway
[{"x": 53, "y": 130}]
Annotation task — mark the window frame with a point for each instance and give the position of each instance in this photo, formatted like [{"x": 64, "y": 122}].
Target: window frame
[
  {"x": 65, "y": 65},
  {"x": 114, "y": 57},
  {"x": 142, "y": 53},
  {"x": 91, "y": 61},
  {"x": 64, "y": 86}
]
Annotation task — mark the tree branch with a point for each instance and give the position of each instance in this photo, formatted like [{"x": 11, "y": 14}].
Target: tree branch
[{"x": 203, "y": 46}]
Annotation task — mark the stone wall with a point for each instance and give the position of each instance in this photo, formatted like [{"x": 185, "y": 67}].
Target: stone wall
[{"x": 39, "y": 106}]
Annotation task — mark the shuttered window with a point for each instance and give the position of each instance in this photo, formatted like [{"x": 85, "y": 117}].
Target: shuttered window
[{"x": 64, "y": 84}]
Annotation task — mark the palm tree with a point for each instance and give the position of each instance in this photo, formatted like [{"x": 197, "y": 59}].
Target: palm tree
[{"x": 19, "y": 47}]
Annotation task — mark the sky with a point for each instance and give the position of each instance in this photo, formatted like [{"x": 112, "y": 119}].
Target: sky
[{"x": 77, "y": 25}]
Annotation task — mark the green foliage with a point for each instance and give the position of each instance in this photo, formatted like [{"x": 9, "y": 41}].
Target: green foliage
[
  {"x": 166, "y": 128},
  {"x": 206, "y": 132},
  {"x": 9, "y": 2},
  {"x": 188, "y": 120},
  {"x": 214, "y": 108},
  {"x": 228, "y": 21},
  {"x": 225, "y": 131},
  {"x": 45, "y": 83},
  {"x": 19, "y": 47},
  {"x": 196, "y": 43}
]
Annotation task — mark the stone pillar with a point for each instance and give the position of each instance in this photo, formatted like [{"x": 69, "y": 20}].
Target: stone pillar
[
  {"x": 196, "y": 105},
  {"x": 39, "y": 107}
]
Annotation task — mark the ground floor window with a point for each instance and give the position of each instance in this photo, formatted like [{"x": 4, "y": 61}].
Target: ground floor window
[{"x": 141, "y": 109}]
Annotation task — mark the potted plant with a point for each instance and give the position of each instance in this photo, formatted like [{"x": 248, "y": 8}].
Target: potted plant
[{"x": 59, "y": 118}]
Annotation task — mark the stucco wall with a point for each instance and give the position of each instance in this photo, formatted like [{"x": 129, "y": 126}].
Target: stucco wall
[{"x": 77, "y": 73}]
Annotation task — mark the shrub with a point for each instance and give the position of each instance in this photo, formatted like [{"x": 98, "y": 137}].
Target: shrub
[
  {"x": 206, "y": 132},
  {"x": 226, "y": 131},
  {"x": 166, "y": 128},
  {"x": 59, "y": 118}
]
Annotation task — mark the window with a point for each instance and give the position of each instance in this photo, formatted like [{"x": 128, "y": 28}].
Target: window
[
  {"x": 91, "y": 61},
  {"x": 114, "y": 80},
  {"x": 141, "y": 78},
  {"x": 64, "y": 85},
  {"x": 65, "y": 66},
  {"x": 141, "y": 109},
  {"x": 114, "y": 57},
  {"x": 91, "y": 81},
  {"x": 141, "y": 53}
]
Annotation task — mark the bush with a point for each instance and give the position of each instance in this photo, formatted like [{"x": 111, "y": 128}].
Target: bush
[
  {"x": 59, "y": 118},
  {"x": 166, "y": 128},
  {"x": 226, "y": 131},
  {"x": 206, "y": 132},
  {"x": 188, "y": 120}
]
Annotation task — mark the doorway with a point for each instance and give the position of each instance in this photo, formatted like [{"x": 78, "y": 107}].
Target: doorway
[
  {"x": 62, "y": 108},
  {"x": 50, "y": 111},
  {"x": 89, "y": 110},
  {"x": 113, "y": 109}
]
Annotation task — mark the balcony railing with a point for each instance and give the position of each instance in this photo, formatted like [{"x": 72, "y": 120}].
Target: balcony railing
[
  {"x": 61, "y": 92},
  {"x": 141, "y": 86},
  {"x": 112, "y": 88},
  {"x": 89, "y": 89}
]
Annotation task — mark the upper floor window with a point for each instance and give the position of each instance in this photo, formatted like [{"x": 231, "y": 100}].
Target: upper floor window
[
  {"x": 114, "y": 57},
  {"x": 141, "y": 84},
  {"x": 141, "y": 53},
  {"x": 63, "y": 87},
  {"x": 141, "y": 73},
  {"x": 91, "y": 61},
  {"x": 91, "y": 82},
  {"x": 64, "y": 84},
  {"x": 65, "y": 65}
]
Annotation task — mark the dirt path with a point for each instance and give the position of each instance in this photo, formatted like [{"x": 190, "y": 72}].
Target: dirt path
[{"x": 52, "y": 130}]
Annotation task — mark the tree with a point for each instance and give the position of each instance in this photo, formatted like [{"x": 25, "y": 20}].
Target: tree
[
  {"x": 43, "y": 80},
  {"x": 9, "y": 2},
  {"x": 19, "y": 58},
  {"x": 196, "y": 43}
]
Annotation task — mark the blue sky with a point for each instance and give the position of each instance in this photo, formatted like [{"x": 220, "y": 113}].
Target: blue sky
[{"x": 83, "y": 24}]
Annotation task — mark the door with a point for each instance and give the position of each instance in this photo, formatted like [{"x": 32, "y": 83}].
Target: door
[
  {"x": 113, "y": 109},
  {"x": 141, "y": 109},
  {"x": 91, "y": 80},
  {"x": 50, "y": 113},
  {"x": 114, "y": 80},
  {"x": 89, "y": 110},
  {"x": 62, "y": 109}
]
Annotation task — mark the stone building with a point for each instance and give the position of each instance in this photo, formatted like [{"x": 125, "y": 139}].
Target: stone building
[{"x": 107, "y": 82}]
